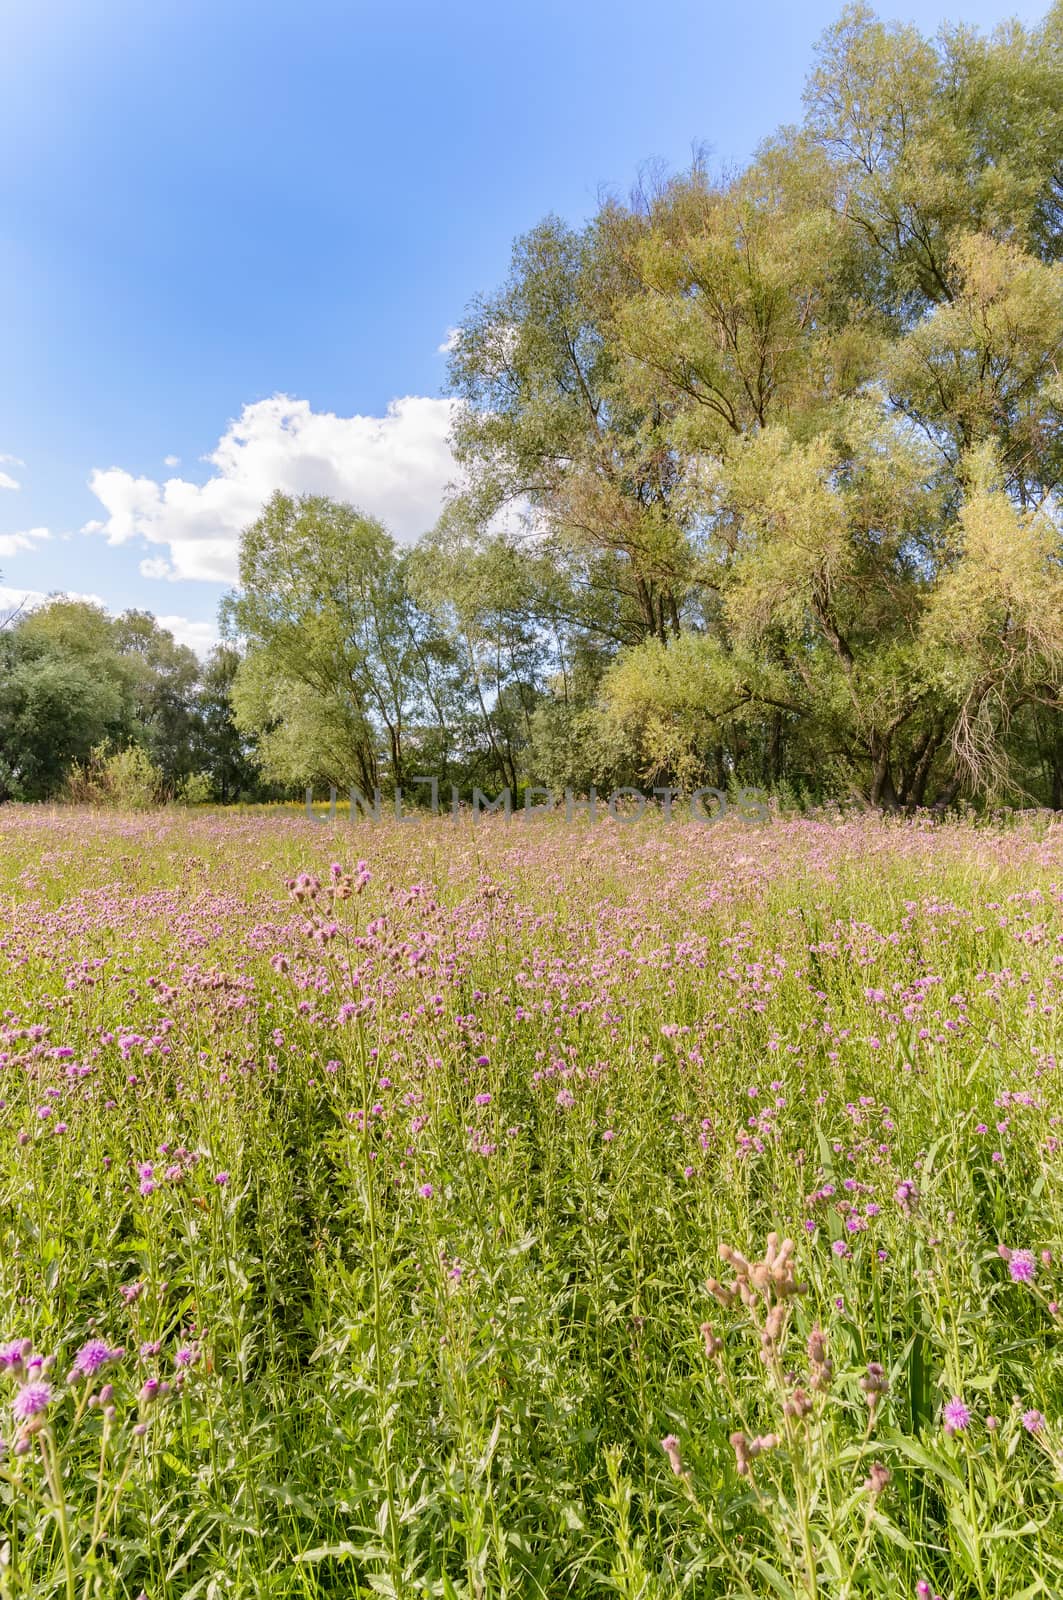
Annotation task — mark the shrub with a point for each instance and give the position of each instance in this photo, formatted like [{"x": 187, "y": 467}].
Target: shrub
[
  {"x": 124, "y": 779},
  {"x": 195, "y": 790}
]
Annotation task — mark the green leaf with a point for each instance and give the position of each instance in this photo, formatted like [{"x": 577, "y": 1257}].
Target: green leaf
[{"x": 774, "y": 1577}]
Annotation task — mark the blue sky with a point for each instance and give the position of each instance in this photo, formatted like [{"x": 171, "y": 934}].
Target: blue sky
[{"x": 204, "y": 206}]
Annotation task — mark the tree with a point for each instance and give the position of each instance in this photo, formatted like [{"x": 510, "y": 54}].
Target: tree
[
  {"x": 79, "y": 683},
  {"x": 548, "y": 422},
  {"x": 336, "y": 665},
  {"x": 481, "y": 591},
  {"x": 823, "y": 348},
  {"x": 220, "y": 751},
  {"x": 927, "y": 142},
  {"x": 984, "y": 367},
  {"x": 53, "y": 710},
  {"x": 164, "y": 679}
]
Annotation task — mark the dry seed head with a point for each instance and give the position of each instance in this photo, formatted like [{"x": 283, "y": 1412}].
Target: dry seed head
[
  {"x": 747, "y": 1450},
  {"x": 740, "y": 1445},
  {"x": 760, "y": 1276},
  {"x": 799, "y": 1404},
  {"x": 875, "y": 1384},
  {"x": 735, "y": 1259},
  {"x": 763, "y": 1441},
  {"x": 822, "y": 1366},
  {"x": 713, "y": 1345},
  {"x": 773, "y": 1277},
  {"x": 774, "y": 1323}
]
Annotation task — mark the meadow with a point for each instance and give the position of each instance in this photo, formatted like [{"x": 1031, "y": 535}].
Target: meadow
[{"x": 529, "y": 1209}]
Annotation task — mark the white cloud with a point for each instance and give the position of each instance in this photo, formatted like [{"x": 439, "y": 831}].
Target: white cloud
[
  {"x": 450, "y": 343},
  {"x": 156, "y": 567},
  {"x": 30, "y": 599},
  {"x": 198, "y": 636},
  {"x": 7, "y": 481},
  {"x": 11, "y": 600},
  {"x": 171, "y": 461},
  {"x": 396, "y": 467},
  {"x": 12, "y": 543}
]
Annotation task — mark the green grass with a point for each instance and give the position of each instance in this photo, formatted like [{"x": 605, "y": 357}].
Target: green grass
[{"x": 483, "y": 1125}]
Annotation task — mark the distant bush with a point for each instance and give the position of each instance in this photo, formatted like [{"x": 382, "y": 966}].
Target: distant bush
[
  {"x": 124, "y": 779},
  {"x": 195, "y": 790}
]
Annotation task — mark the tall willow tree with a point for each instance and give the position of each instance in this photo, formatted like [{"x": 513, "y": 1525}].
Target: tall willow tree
[
  {"x": 808, "y": 422},
  {"x": 549, "y": 422}
]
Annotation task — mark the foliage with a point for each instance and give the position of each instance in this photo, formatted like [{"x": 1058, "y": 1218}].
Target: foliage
[
  {"x": 498, "y": 1209},
  {"x": 73, "y": 679},
  {"x": 123, "y": 779},
  {"x": 771, "y": 402},
  {"x": 218, "y": 748},
  {"x": 334, "y": 643}
]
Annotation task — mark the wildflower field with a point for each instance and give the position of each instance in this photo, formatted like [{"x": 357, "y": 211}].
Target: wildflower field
[{"x": 529, "y": 1208}]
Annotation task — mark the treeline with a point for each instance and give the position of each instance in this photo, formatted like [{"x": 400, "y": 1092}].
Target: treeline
[
  {"x": 760, "y": 481},
  {"x": 786, "y": 448},
  {"x": 98, "y": 707}
]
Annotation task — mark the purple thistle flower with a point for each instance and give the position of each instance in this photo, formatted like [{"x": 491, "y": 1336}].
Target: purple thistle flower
[
  {"x": 1033, "y": 1421},
  {"x": 426, "y": 1191},
  {"x": 13, "y": 1355},
  {"x": 31, "y": 1400},
  {"x": 1022, "y": 1266},
  {"x": 955, "y": 1416},
  {"x": 94, "y": 1355}
]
